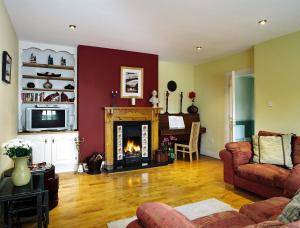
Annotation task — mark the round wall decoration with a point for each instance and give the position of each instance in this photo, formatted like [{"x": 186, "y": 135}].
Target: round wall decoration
[{"x": 172, "y": 86}]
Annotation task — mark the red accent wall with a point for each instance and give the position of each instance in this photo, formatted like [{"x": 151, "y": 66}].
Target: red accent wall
[{"x": 98, "y": 74}]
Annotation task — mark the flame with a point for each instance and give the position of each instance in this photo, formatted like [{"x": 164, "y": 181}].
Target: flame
[{"x": 132, "y": 147}]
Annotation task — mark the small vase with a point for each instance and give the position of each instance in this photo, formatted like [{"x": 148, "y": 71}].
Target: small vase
[
  {"x": 21, "y": 173},
  {"x": 192, "y": 109}
]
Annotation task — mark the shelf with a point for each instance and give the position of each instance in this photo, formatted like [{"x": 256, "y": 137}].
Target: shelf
[
  {"x": 48, "y": 66},
  {"x": 54, "y": 90},
  {"x": 48, "y": 78},
  {"x": 47, "y": 102}
]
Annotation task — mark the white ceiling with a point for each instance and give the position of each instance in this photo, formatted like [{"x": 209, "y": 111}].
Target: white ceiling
[{"x": 170, "y": 28}]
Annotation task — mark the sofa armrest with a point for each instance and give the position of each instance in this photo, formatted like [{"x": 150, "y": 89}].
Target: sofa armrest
[
  {"x": 241, "y": 151},
  {"x": 161, "y": 215},
  {"x": 228, "y": 171},
  {"x": 292, "y": 183}
]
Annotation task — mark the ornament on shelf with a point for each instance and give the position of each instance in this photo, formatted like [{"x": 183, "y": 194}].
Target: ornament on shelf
[
  {"x": 50, "y": 60},
  {"x": 63, "y": 61},
  {"x": 154, "y": 99},
  {"x": 47, "y": 85},
  {"x": 30, "y": 85},
  {"x": 114, "y": 98},
  {"x": 64, "y": 97},
  {"x": 192, "y": 108},
  {"x": 181, "y": 96},
  {"x": 167, "y": 100},
  {"x": 32, "y": 58}
]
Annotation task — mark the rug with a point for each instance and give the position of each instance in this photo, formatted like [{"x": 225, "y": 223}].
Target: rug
[{"x": 191, "y": 211}]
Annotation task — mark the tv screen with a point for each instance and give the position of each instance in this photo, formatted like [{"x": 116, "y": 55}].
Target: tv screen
[{"x": 48, "y": 118}]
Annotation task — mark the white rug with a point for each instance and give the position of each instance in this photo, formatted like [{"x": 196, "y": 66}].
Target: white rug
[{"x": 191, "y": 211}]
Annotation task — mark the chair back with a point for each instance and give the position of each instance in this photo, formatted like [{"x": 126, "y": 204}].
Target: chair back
[{"x": 194, "y": 136}]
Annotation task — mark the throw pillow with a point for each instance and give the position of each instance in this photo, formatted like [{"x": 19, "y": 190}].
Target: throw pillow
[
  {"x": 291, "y": 212},
  {"x": 273, "y": 150}
]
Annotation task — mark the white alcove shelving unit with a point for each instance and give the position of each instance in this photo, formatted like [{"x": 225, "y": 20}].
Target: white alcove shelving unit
[
  {"x": 28, "y": 73},
  {"x": 57, "y": 148}
]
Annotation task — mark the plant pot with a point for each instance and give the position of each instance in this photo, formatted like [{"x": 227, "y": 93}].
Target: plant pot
[
  {"x": 192, "y": 109},
  {"x": 21, "y": 174},
  {"x": 161, "y": 156}
]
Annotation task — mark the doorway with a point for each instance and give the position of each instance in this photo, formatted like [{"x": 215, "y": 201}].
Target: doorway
[{"x": 239, "y": 107}]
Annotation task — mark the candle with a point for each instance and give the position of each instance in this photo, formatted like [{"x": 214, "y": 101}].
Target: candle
[{"x": 132, "y": 101}]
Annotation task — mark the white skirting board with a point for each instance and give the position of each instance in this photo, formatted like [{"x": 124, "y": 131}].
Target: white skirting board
[{"x": 210, "y": 154}]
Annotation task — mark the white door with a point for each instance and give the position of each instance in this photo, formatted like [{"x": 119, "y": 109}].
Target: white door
[
  {"x": 230, "y": 121},
  {"x": 239, "y": 112},
  {"x": 64, "y": 149},
  {"x": 41, "y": 150}
]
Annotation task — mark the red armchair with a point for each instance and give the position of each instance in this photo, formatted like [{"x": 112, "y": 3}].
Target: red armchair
[{"x": 263, "y": 179}]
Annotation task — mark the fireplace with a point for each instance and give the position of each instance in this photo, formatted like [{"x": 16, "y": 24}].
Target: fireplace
[{"x": 132, "y": 143}]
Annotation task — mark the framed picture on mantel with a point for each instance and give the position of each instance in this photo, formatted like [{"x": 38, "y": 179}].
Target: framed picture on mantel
[{"x": 131, "y": 82}]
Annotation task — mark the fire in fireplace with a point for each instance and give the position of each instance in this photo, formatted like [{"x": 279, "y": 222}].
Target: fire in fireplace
[
  {"x": 132, "y": 148},
  {"x": 132, "y": 143}
]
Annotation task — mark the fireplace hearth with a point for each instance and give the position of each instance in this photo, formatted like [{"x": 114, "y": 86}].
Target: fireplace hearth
[{"x": 132, "y": 144}]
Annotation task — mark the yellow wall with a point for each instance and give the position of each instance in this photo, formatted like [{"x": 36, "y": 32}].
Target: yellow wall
[
  {"x": 183, "y": 75},
  {"x": 277, "y": 79},
  {"x": 210, "y": 87},
  {"x": 8, "y": 92}
]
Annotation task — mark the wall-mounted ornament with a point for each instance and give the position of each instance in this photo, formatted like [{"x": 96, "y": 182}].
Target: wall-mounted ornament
[
  {"x": 50, "y": 60},
  {"x": 6, "y": 67},
  {"x": 154, "y": 99},
  {"x": 172, "y": 86},
  {"x": 131, "y": 82}
]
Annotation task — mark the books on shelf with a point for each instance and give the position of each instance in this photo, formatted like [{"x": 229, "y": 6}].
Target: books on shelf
[{"x": 33, "y": 97}]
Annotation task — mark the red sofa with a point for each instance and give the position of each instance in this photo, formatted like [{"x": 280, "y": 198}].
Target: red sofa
[
  {"x": 256, "y": 215},
  {"x": 263, "y": 179}
]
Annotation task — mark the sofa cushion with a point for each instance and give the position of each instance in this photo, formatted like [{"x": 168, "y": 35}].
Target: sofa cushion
[
  {"x": 292, "y": 183},
  {"x": 264, "y": 210},
  {"x": 230, "y": 219},
  {"x": 266, "y": 224},
  {"x": 273, "y": 149},
  {"x": 291, "y": 213},
  {"x": 270, "y": 175},
  {"x": 161, "y": 215}
]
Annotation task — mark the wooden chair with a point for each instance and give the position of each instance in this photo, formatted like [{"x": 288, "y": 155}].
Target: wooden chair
[{"x": 192, "y": 147}]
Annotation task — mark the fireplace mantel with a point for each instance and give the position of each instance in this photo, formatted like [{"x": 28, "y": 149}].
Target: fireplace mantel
[{"x": 129, "y": 114}]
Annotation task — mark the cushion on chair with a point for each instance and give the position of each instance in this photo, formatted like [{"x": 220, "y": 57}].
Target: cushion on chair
[
  {"x": 270, "y": 175},
  {"x": 264, "y": 210},
  {"x": 161, "y": 215},
  {"x": 230, "y": 219}
]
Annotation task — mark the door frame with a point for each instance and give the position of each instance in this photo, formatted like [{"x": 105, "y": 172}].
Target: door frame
[{"x": 230, "y": 103}]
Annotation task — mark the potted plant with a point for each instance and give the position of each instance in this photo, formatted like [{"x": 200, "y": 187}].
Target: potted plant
[
  {"x": 167, "y": 149},
  {"x": 192, "y": 108},
  {"x": 19, "y": 151}
]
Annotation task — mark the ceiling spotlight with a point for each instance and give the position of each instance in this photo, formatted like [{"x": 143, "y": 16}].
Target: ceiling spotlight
[
  {"x": 73, "y": 27},
  {"x": 198, "y": 48},
  {"x": 263, "y": 22}
]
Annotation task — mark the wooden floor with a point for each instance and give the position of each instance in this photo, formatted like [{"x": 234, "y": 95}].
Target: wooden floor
[{"x": 93, "y": 200}]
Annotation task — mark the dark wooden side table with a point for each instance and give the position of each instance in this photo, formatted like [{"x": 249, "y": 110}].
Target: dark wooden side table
[{"x": 10, "y": 194}]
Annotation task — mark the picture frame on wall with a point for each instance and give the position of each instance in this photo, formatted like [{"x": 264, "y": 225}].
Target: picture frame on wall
[
  {"x": 132, "y": 82},
  {"x": 6, "y": 67}
]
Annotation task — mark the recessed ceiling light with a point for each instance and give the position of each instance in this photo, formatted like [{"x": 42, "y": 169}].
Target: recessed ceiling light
[
  {"x": 198, "y": 48},
  {"x": 263, "y": 22},
  {"x": 73, "y": 27}
]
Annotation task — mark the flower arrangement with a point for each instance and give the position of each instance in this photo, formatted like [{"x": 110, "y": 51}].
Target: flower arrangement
[
  {"x": 17, "y": 148},
  {"x": 167, "y": 146},
  {"x": 192, "y": 95}
]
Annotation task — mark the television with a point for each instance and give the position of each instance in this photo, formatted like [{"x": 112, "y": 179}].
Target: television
[{"x": 41, "y": 119}]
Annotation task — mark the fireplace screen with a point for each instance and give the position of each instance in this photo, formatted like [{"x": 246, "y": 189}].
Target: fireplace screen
[{"x": 132, "y": 143}]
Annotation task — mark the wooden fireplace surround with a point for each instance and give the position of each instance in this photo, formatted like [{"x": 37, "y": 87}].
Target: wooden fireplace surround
[{"x": 129, "y": 114}]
